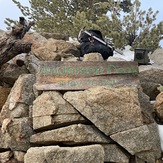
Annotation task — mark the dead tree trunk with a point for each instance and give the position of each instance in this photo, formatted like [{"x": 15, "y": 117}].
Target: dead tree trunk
[{"x": 12, "y": 45}]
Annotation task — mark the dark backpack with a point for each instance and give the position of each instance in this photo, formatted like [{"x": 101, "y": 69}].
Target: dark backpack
[{"x": 88, "y": 44}]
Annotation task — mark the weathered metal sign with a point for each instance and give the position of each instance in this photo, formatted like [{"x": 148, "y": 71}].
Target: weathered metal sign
[{"x": 57, "y": 75}]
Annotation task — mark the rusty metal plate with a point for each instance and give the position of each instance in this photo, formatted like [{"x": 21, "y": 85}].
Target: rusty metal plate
[{"x": 59, "y": 75}]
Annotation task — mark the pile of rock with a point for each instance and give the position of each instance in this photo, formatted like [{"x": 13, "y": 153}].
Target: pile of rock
[{"x": 97, "y": 125}]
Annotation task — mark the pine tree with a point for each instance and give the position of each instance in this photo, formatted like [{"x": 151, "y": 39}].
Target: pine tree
[
  {"x": 59, "y": 16},
  {"x": 68, "y": 17},
  {"x": 139, "y": 27}
]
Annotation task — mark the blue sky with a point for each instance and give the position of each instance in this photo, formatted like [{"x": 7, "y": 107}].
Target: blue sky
[{"x": 9, "y": 10}]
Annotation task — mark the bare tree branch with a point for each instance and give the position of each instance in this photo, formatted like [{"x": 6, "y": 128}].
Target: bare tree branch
[{"x": 12, "y": 45}]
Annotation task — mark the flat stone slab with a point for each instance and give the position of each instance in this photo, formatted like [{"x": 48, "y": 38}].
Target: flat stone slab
[
  {"x": 52, "y": 154},
  {"x": 73, "y": 134},
  {"x": 113, "y": 153},
  {"x": 134, "y": 140},
  {"x": 54, "y": 121},
  {"x": 50, "y": 110},
  {"x": 111, "y": 110}
]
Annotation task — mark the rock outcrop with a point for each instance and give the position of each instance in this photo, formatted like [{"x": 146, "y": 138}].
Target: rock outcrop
[
  {"x": 54, "y": 50},
  {"x": 157, "y": 57},
  {"x": 159, "y": 105},
  {"x": 93, "y": 57},
  {"x": 150, "y": 78}
]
